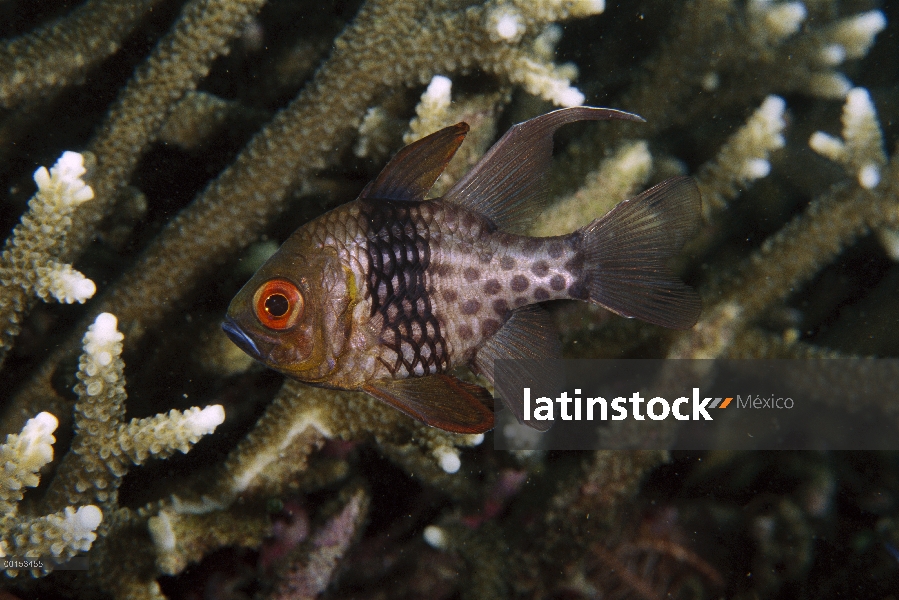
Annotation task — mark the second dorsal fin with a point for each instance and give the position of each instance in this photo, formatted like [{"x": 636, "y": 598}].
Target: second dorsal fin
[
  {"x": 414, "y": 169},
  {"x": 508, "y": 182}
]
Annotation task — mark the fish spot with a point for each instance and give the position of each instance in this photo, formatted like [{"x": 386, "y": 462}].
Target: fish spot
[
  {"x": 532, "y": 244},
  {"x": 556, "y": 250},
  {"x": 500, "y": 306},
  {"x": 519, "y": 283},
  {"x": 489, "y": 327},
  {"x": 492, "y": 287},
  {"x": 468, "y": 220},
  {"x": 521, "y": 301},
  {"x": 485, "y": 258},
  {"x": 471, "y": 306},
  {"x": 575, "y": 265},
  {"x": 557, "y": 283},
  {"x": 541, "y": 294},
  {"x": 540, "y": 268},
  {"x": 449, "y": 295},
  {"x": 578, "y": 290},
  {"x": 507, "y": 263},
  {"x": 465, "y": 332},
  {"x": 471, "y": 274},
  {"x": 444, "y": 270}
]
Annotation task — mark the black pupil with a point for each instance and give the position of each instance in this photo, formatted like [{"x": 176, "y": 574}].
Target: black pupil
[{"x": 277, "y": 305}]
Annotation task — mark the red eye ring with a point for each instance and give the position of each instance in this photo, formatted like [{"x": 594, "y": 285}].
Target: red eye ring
[{"x": 279, "y": 304}]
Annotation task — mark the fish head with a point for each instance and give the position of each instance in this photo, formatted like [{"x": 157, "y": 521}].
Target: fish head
[{"x": 292, "y": 315}]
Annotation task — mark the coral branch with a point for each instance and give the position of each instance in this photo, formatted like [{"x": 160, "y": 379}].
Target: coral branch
[{"x": 28, "y": 264}]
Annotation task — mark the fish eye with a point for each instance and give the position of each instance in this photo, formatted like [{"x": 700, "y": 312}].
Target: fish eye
[{"x": 279, "y": 304}]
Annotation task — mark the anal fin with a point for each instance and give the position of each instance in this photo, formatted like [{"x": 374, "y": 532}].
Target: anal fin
[
  {"x": 440, "y": 401},
  {"x": 530, "y": 339}
]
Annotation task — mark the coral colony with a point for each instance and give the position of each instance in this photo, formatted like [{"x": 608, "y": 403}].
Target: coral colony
[{"x": 189, "y": 139}]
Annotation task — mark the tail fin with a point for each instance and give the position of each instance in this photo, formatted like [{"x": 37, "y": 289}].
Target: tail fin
[{"x": 626, "y": 250}]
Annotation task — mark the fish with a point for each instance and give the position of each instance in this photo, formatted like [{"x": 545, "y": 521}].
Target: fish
[{"x": 389, "y": 294}]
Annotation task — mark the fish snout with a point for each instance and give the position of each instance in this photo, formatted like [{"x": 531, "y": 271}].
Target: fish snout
[{"x": 240, "y": 338}]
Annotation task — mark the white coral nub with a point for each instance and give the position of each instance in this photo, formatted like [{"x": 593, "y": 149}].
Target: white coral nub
[
  {"x": 588, "y": 7},
  {"x": 449, "y": 459},
  {"x": 37, "y": 440},
  {"x": 64, "y": 182},
  {"x": 856, "y": 34},
  {"x": 861, "y": 148},
  {"x": 22, "y": 456},
  {"x": 506, "y": 24},
  {"x": 66, "y": 284},
  {"x": 774, "y": 22},
  {"x": 102, "y": 342},
  {"x": 438, "y": 94},
  {"x": 201, "y": 422},
  {"x": 783, "y": 20},
  {"x": 78, "y": 527},
  {"x": 435, "y": 537}
]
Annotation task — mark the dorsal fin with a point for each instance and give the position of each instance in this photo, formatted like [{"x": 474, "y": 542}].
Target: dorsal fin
[
  {"x": 414, "y": 169},
  {"x": 507, "y": 184}
]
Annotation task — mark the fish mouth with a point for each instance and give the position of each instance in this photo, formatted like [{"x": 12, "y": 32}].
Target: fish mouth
[{"x": 241, "y": 339}]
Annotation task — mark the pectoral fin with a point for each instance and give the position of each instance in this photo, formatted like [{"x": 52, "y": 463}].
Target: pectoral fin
[
  {"x": 414, "y": 169},
  {"x": 440, "y": 401},
  {"x": 531, "y": 342}
]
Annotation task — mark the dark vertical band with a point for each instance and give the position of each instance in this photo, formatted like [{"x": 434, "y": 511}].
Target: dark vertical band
[{"x": 399, "y": 254}]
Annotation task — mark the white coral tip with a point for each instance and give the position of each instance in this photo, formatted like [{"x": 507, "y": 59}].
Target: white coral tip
[
  {"x": 773, "y": 109},
  {"x": 70, "y": 167},
  {"x": 37, "y": 439},
  {"x": 104, "y": 330},
  {"x": 161, "y": 532},
  {"x": 435, "y": 537},
  {"x": 827, "y": 145},
  {"x": 784, "y": 20},
  {"x": 870, "y": 23},
  {"x": 205, "y": 421},
  {"x": 858, "y": 103},
  {"x": 508, "y": 25},
  {"x": 42, "y": 425},
  {"x": 449, "y": 459},
  {"x": 869, "y": 176},
  {"x": 68, "y": 285},
  {"x": 829, "y": 85},
  {"x": 89, "y": 517},
  {"x": 756, "y": 168},
  {"x": 833, "y": 54},
  {"x": 439, "y": 89},
  {"x": 583, "y": 8},
  {"x": 569, "y": 96},
  {"x": 42, "y": 178}
]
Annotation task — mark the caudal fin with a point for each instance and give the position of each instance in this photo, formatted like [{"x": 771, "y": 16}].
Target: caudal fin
[{"x": 626, "y": 252}]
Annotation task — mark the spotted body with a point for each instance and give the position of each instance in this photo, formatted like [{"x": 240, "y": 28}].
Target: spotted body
[{"x": 389, "y": 293}]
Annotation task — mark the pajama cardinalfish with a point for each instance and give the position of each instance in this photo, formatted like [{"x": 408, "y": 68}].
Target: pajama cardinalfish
[{"x": 390, "y": 292}]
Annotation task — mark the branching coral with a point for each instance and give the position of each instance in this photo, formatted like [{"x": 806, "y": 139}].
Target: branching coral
[
  {"x": 103, "y": 449},
  {"x": 731, "y": 90},
  {"x": 60, "y": 535},
  {"x": 29, "y": 264}
]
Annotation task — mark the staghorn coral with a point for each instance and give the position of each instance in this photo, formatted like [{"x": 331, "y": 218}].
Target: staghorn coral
[
  {"x": 732, "y": 91},
  {"x": 28, "y": 264},
  {"x": 60, "y": 535}
]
